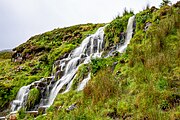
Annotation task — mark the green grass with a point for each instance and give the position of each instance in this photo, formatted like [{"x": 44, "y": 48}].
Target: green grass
[
  {"x": 42, "y": 50},
  {"x": 144, "y": 84}
]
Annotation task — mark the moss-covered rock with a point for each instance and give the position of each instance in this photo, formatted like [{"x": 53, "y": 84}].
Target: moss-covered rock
[{"x": 33, "y": 98}]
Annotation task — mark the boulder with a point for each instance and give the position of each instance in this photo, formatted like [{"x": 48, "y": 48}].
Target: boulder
[
  {"x": 122, "y": 37},
  {"x": 11, "y": 116}
]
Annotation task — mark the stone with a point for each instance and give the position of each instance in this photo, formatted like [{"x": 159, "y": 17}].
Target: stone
[
  {"x": 118, "y": 72},
  {"x": 153, "y": 9},
  {"x": 72, "y": 107},
  {"x": 147, "y": 25},
  {"x": 41, "y": 84},
  {"x": 122, "y": 61},
  {"x": 12, "y": 116},
  {"x": 114, "y": 65},
  {"x": 42, "y": 110},
  {"x": 122, "y": 37}
]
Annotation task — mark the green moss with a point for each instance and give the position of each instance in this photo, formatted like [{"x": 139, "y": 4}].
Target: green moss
[
  {"x": 144, "y": 83},
  {"x": 82, "y": 73},
  {"x": 113, "y": 30},
  {"x": 5, "y": 55},
  {"x": 33, "y": 98},
  {"x": 21, "y": 113},
  {"x": 40, "y": 52}
]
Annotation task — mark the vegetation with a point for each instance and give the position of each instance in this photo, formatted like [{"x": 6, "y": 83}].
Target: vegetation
[
  {"x": 33, "y": 98},
  {"x": 142, "y": 83},
  {"x": 113, "y": 30},
  {"x": 38, "y": 55},
  {"x": 5, "y": 55}
]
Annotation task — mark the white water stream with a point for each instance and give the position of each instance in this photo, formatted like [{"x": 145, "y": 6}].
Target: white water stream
[
  {"x": 129, "y": 31},
  {"x": 91, "y": 47}
]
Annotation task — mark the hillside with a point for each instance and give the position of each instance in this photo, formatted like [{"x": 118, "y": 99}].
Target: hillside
[
  {"x": 141, "y": 83},
  {"x": 36, "y": 57}
]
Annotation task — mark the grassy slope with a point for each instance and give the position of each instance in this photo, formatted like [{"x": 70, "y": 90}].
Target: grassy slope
[
  {"x": 42, "y": 51},
  {"x": 145, "y": 82}
]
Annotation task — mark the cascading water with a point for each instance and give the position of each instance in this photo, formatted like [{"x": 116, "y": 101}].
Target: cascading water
[
  {"x": 129, "y": 33},
  {"x": 91, "y": 47},
  {"x": 21, "y": 96},
  {"x": 66, "y": 68},
  {"x": 83, "y": 83}
]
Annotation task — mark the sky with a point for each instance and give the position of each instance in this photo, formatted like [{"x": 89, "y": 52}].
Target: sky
[{"x": 21, "y": 19}]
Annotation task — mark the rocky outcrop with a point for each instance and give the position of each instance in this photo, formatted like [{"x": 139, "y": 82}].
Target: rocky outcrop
[
  {"x": 147, "y": 25},
  {"x": 122, "y": 37}
]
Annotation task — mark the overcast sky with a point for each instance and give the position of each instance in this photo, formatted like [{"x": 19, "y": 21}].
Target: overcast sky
[{"x": 21, "y": 19}]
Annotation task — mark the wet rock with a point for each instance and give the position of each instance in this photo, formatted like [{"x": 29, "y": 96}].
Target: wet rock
[
  {"x": 32, "y": 113},
  {"x": 116, "y": 53},
  {"x": 147, "y": 25},
  {"x": 18, "y": 69},
  {"x": 83, "y": 56},
  {"x": 88, "y": 35},
  {"x": 53, "y": 81},
  {"x": 2, "y": 78},
  {"x": 134, "y": 27},
  {"x": 42, "y": 84},
  {"x": 64, "y": 56},
  {"x": 114, "y": 65},
  {"x": 177, "y": 5},
  {"x": 72, "y": 107},
  {"x": 122, "y": 61},
  {"x": 49, "y": 79},
  {"x": 32, "y": 86},
  {"x": 113, "y": 114},
  {"x": 31, "y": 65},
  {"x": 122, "y": 37},
  {"x": 35, "y": 71},
  {"x": 118, "y": 72},
  {"x": 153, "y": 9},
  {"x": 58, "y": 74},
  {"x": 42, "y": 110}
]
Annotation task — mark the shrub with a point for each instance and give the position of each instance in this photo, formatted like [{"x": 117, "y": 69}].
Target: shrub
[
  {"x": 101, "y": 87},
  {"x": 21, "y": 113}
]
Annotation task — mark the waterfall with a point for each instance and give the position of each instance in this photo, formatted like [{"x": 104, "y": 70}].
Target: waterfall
[
  {"x": 20, "y": 98},
  {"x": 91, "y": 47},
  {"x": 129, "y": 33},
  {"x": 83, "y": 83},
  {"x": 62, "y": 80}
]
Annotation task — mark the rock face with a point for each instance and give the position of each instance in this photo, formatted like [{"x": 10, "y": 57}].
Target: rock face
[
  {"x": 122, "y": 36},
  {"x": 17, "y": 57},
  {"x": 147, "y": 25}
]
